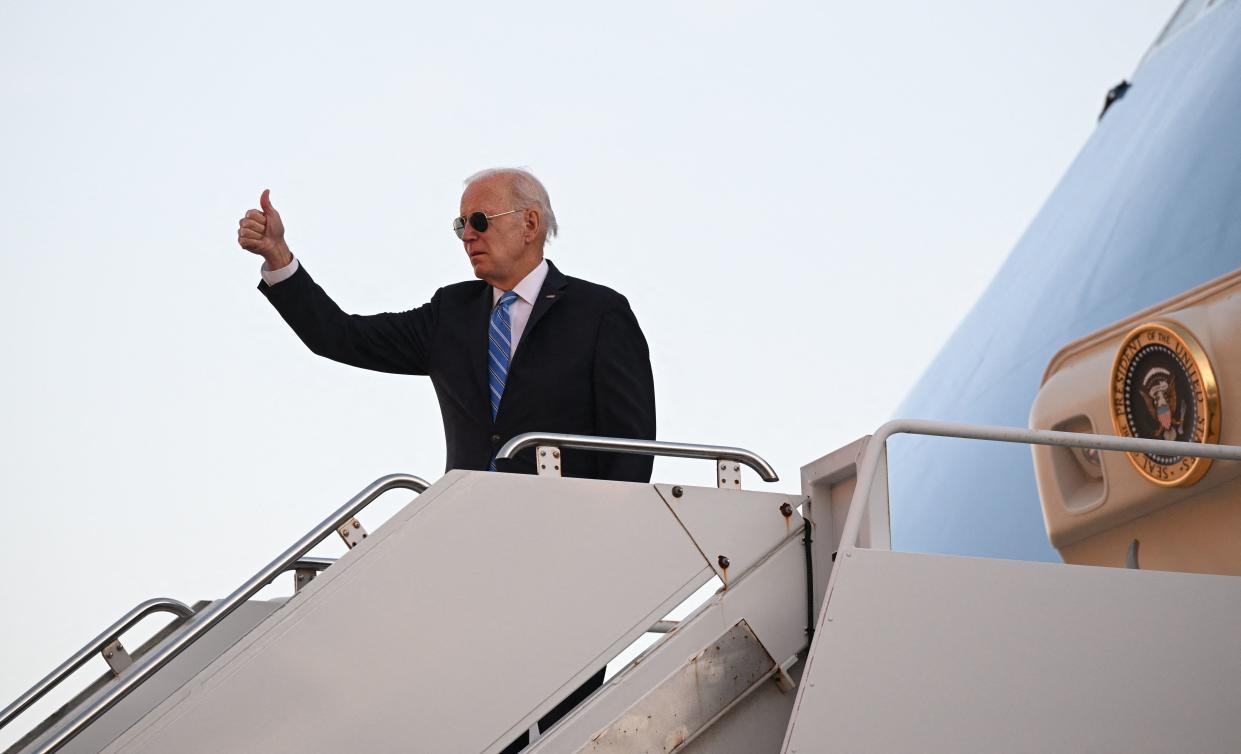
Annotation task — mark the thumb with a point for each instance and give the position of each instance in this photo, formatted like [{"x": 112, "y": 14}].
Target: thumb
[{"x": 265, "y": 203}]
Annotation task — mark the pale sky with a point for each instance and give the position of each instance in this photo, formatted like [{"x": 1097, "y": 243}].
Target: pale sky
[{"x": 800, "y": 200}]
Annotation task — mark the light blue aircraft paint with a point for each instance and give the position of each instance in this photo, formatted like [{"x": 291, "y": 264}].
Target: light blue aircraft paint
[{"x": 1151, "y": 207}]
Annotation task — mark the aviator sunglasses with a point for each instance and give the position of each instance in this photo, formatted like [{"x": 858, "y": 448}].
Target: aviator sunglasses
[{"x": 477, "y": 221}]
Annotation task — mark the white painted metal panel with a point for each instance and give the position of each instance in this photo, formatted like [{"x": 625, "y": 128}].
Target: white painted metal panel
[
  {"x": 926, "y": 653},
  {"x": 829, "y": 482},
  {"x": 451, "y": 628},
  {"x": 168, "y": 679},
  {"x": 770, "y": 598},
  {"x": 742, "y": 528}
]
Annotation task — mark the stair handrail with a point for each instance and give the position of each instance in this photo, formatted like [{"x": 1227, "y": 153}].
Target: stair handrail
[
  {"x": 876, "y": 448},
  {"x": 80, "y": 657},
  {"x": 640, "y": 447},
  {"x": 217, "y": 611}
]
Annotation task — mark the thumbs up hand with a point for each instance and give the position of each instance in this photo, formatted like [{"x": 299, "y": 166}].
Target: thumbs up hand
[{"x": 261, "y": 232}]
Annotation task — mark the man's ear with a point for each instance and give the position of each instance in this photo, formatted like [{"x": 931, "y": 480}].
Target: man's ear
[{"x": 533, "y": 221}]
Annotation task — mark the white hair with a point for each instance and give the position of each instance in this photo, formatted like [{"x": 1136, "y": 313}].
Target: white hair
[{"x": 528, "y": 192}]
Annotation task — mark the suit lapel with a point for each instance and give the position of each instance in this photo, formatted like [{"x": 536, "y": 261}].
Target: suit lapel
[
  {"x": 477, "y": 329},
  {"x": 551, "y": 293}
]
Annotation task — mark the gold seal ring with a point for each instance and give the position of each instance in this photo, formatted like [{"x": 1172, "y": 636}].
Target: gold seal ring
[{"x": 1163, "y": 388}]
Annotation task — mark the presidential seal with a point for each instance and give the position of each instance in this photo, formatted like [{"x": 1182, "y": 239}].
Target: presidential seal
[{"x": 1163, "y": 389}]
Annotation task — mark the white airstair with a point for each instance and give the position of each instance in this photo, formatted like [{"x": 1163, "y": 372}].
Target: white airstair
[{"x": 479, "y": 606}]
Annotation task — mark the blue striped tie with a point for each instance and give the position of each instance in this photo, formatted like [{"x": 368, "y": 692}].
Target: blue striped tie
[{"x": 499, "y": 351}]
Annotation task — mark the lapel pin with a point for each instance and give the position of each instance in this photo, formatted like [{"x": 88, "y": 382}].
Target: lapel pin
[{"x": 550, "y": 295}]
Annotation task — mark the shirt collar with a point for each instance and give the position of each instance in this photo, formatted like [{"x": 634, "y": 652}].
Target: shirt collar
[{"x": 528, "y": 289}]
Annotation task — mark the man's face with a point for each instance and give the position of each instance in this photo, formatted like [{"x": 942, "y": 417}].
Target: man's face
[{"x": 500, "y": 253}]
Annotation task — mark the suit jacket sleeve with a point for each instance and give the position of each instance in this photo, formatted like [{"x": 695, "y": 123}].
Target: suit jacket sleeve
[
  {"x": 624, "y": 393},
  {"x": 399, "y": 343}
]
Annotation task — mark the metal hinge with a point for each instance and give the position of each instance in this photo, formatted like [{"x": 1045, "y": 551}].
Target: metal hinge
[
  {"x": 116, "y": 656},
  {"x": 548, "y": 459},
  {"x": 352, "y": 532},
  {"x": 730, "y": 474}
]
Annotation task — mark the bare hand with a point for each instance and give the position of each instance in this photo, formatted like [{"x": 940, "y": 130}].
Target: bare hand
[{"x": 262, "y": 232}]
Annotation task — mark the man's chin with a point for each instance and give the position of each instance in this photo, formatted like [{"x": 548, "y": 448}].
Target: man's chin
[{"x": 483, "y": 272}]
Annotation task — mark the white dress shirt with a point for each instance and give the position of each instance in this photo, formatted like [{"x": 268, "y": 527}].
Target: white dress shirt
[
  {"x": 527, "y": 293},
  {"x": 271, "y": 277},
  {"x": 518, "y": 312}
]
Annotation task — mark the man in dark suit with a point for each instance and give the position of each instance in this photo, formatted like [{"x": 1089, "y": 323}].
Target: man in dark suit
[
  {"x": 576, "y": 359},
  {"x": 523, "y": 348}
]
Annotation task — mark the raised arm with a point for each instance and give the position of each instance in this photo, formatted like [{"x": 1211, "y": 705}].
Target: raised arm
[{"x": 398, "y": 342}]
